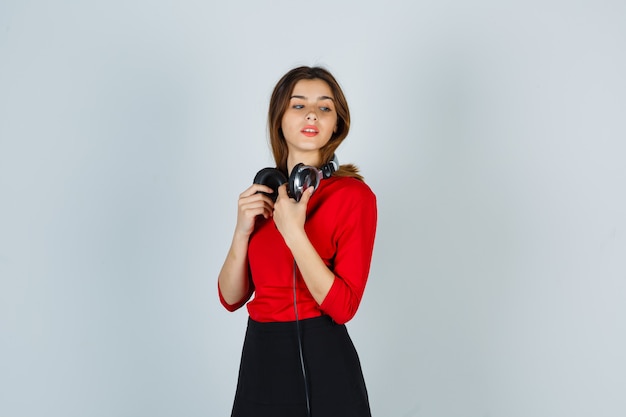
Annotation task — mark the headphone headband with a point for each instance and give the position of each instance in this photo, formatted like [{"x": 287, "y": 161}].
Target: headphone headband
[
  {"x": 301, "y": 177},
  {"x": 330, "y": 167}
]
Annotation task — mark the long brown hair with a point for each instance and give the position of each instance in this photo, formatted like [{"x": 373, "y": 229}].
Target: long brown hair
[{"x": 278, "y": 105}]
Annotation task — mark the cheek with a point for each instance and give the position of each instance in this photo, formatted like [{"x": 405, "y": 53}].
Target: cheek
[{"x": 286, "y": 122}]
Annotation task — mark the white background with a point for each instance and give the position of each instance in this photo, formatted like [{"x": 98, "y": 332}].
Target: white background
[{"x": 492, "y": 132}]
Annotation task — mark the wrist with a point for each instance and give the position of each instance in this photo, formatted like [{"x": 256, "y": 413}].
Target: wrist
[
  {"x": 241, "y": 238},
  {"x": 294, "y": 238}
]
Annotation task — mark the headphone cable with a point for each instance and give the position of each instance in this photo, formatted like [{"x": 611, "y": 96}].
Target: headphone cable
[{"x": 295, "y": 307}]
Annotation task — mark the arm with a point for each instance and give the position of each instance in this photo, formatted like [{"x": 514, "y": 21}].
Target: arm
[
  {"x": 234, "y": 284},
  {"x": 339, "y": 290},
  {"x": 289, "y": 217},
  {"x": 355, "y": 245}
]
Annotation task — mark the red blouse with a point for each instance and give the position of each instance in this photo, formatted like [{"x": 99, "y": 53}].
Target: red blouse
[{"x": 341, "y": 225}]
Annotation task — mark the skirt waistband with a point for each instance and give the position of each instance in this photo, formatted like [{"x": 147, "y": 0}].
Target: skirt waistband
[{"x": 288, "y": 326}]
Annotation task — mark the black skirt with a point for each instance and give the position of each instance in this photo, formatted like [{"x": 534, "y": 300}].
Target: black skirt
[{"x": 272, "y": 382}]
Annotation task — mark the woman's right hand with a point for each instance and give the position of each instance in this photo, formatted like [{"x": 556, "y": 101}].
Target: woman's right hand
[
  {"x": 233, "y": 280},
  {"x": 252, "y": 203}
]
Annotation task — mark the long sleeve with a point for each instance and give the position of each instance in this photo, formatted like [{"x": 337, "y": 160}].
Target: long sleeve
[
  {"x": 354, "y": 247},
  {"x": 341, "y": 225},
  {"x": 240, "y": 303}
]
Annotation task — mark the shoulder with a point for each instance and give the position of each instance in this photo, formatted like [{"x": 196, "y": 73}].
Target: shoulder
[{"x": 349, "y": 189}]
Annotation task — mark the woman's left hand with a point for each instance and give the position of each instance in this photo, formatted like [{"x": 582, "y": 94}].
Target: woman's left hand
[{"x": 289, "y": 214}]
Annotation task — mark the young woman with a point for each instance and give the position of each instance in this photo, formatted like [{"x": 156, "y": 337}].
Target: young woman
[{"x": 305, "y": 259}]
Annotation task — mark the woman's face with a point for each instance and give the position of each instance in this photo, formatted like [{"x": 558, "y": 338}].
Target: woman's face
[{"x": 310, "y": 119}]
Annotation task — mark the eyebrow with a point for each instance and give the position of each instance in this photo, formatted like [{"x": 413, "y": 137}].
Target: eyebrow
[{"x": 319, "y": 98}]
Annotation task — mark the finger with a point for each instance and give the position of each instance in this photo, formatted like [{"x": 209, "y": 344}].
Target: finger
[
  {"x": 262, "y": 211},
  {"x": 256, "y": 203},
  {"x": 252, "y": 212},
  {"x": 256, "y": 188},
  {"x": 255, "y": 199},
  {"x": 306, "y": 195},
  {"x": 282, "y": 191}
]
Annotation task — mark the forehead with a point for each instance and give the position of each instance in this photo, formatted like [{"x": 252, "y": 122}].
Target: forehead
[{"x": 312, "y": 89}]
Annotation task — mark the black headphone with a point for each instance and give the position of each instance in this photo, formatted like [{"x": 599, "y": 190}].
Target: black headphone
[{"x": 302, "y": 177}]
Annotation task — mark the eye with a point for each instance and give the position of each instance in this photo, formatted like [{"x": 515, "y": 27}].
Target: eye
[
  {"x": 325, "y": 109},
  {"x": 297, "y": 106}
]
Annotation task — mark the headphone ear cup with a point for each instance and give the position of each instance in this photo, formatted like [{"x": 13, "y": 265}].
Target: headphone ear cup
[
  {"x": 272, "y": 178},
  {"x": 302, "y": 177},
  {"x": 294, "y": 188}
]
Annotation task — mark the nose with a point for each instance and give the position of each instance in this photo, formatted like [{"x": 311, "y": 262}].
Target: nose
[{"x": 311, "y": 115}]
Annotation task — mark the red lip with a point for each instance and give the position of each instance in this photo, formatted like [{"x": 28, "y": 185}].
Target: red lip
[{"x": 310, "y": 130}]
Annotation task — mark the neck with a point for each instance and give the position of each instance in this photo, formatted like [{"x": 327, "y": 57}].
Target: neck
[{"x": 307, "y": 158}]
